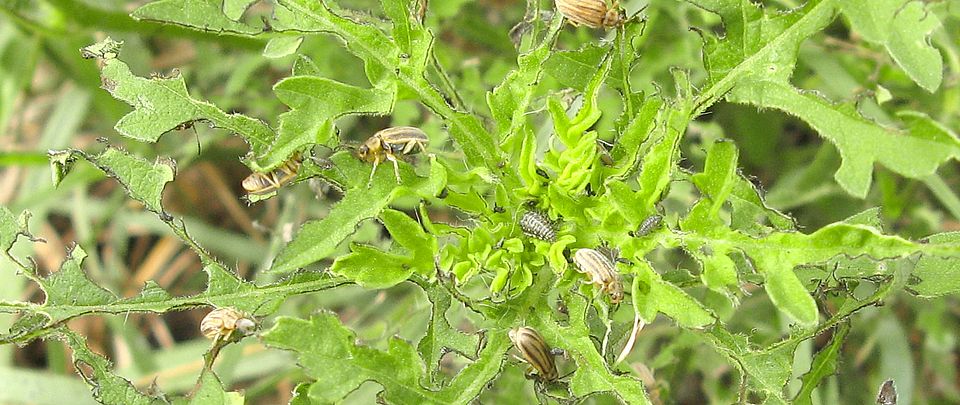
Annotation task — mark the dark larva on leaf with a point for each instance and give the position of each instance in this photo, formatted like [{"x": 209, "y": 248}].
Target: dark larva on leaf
[
  {"x": 648, "y": 225},
  {"x": 537, "y": 225}
]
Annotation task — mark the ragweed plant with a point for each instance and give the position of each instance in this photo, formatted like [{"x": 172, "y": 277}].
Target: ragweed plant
[{"x": 605, "y": 135}]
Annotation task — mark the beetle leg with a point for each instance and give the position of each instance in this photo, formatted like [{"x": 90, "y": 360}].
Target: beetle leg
[
  {"x": 376, "y": 162},
  {"x": 396, "y": 166},
  {"x": 274, "y": 180},
  {"x": 408, "y": 147}
]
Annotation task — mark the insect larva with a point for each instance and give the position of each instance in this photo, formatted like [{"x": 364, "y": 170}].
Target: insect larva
[
  {"x": 535, "y": 352},
  {"x": 648, "y": 225},
  {"x": 265, "y": 183},
  {"x": 388, "y": 143},
  {"x": 887, "y": 394},
  {"x": 592, "y": 13},
  {"x": 601, "y": 272},
  {"x": 537, "y": 225},
  {"x": 222, "y": 322}
]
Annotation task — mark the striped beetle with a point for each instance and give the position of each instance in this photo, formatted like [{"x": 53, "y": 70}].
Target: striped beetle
[
  {"x": 536, "y": 225},
  {"x": 535, "y": 351},
  {"x": 601, "y": 271},
  {"x": 388, "y": 143},
  {"x": 220, "y": 324},
  {"x": 265, "y": 183},
  {"x": 592, "y": 13}
]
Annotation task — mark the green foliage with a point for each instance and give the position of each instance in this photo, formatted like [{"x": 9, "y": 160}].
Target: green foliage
[{"x": 695, "y": 237}]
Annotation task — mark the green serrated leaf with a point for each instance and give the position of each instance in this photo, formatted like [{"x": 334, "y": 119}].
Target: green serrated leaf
[
  {"x": 210, "y": 391},
  {"x": 719, "y": 174},
  {"x": 903, "y": 27},
  {"x": 779, "y": 253},
  {"x": 380, "y": 55},
  {"x": 592, "y": 374},
  {"x": 318, "y": 239},
  {"x": 223, "y": 291},
  {"x": 863, "y": 143},
  {"x": 575, "y": 69},
  {"x": 328, "y": 352},
  {"x": 143, "y": 180},
  {"x": 96, "y": 370},
  {"x": 938, "y": 275},
  {"x": 70, "y": 286},
  {"x": 12, "y": 227},
  {"x": 410, "y": 234},
  {"x": 282, "y": 46},
  {"x": 373, "y": 268},
  {"x": 824, "y": 365},
  {"x": 207, "y": 15},
  {"x": 510, "y": 100},
  {"x": 315, "y": 102},
  {"x": 652, "y": 295},
  {"x": 382, "y": 59},
  {"x": 659, "y": 163},
  {"x": 626, "y": 150},
  {"x": 767, "y": 369},
  {"x": 162, "y": 104},
  {"x": 441, "y": 337},
  {"x": 753, "y": 64}
]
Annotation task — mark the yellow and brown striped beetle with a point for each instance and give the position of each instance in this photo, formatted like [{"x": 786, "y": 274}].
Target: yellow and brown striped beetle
[
  {"x": 265, "y": 183},
  {"x": 592, "y": 13},
  {"x": 221, "y": 323},
  {"x": 535, "y": 352},
  {"x": 389, "y": 144},
  {"x": 601, "y": 271}
]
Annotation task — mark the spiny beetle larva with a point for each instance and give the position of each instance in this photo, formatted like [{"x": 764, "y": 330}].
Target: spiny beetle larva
[{"x": 536, "y": 225}]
